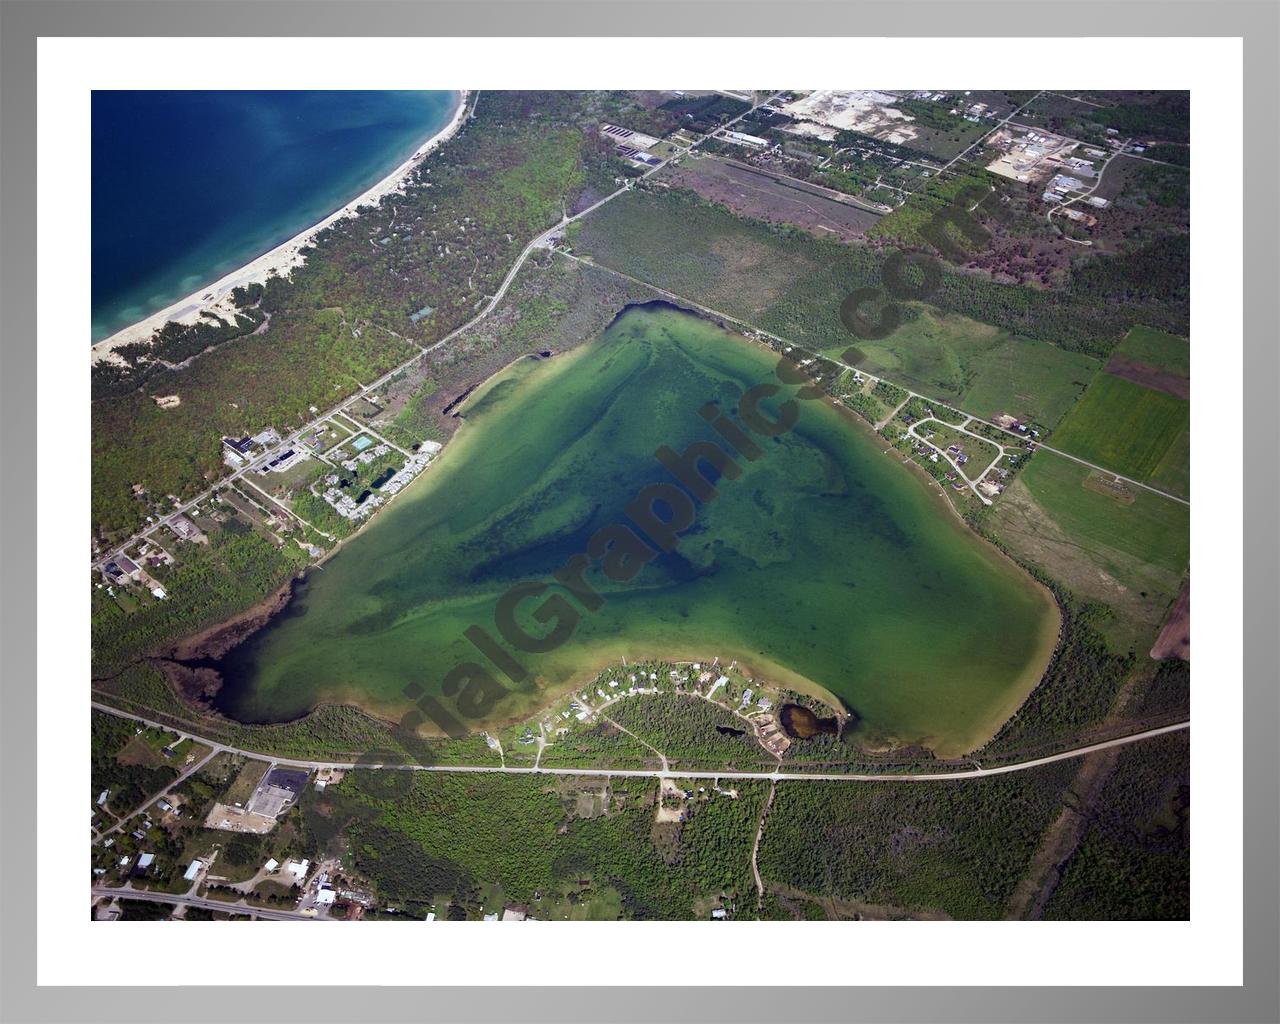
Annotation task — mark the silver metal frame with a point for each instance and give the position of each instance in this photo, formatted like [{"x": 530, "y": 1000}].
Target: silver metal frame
[{"x": 1258, "y": 23}]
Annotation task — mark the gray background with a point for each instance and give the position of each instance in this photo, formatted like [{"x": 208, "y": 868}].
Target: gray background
[{"x": 1257, "y": 22}]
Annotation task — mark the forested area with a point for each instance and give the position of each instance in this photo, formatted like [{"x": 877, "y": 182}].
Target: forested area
[
  {"x": 346, "y": 315},
  {"x": 1159, "y": 116},
  {"x": 306, "y": 359},
  {"x": 128, "y": 784},
  {"x": 906, "y": 226},
  {"x": 1169, "y": 689},
  {"x": 692, "y": 732},
  {"x": 450, "y": 834},
  {"x": 1165, "y": 116},
  {"x": 700, "y": 250},
  {"x": 601, "y": 745},
  {"x": 175, "y": 343},
  {"x": 958, "y": 847},
  {"x": 213, "y": 582},
  {"x": 1134, "y": 861}
]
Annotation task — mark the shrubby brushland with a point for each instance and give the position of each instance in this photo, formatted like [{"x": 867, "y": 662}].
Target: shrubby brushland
[
  {"x": 344, "y": 317},
  {"x": 1020, "y": 316}
]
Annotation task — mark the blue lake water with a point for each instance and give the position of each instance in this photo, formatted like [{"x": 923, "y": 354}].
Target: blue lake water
[{"x": 188, "y": 186}]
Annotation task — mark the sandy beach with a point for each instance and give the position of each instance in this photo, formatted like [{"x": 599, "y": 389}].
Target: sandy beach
[{"x": 216, "y": 297}]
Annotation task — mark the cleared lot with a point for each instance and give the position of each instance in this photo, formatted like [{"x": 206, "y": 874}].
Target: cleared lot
[
  {"x": 764, "y": 196},
  {"x": 1123, "y": 546},
  {"x": 984, "y": 369}
]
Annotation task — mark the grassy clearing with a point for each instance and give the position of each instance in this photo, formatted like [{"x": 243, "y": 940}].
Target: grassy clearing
[
  {"x": 115, "y": 770},
  {"x": 1127, "y": 549},
  {"x": 1173, "y": 473},
  {"x": 1124, "y": 427},
  {"x": 245, "y": 783},
  {"x": 334, "y": 434},
  {"x": 1150, "y": 528},
  {"x": 793, "y": 286},
  {"x": 982, "y": 368},
  {"x": 1157, "y": 349}
]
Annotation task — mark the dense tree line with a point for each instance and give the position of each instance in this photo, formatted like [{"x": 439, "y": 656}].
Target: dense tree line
[
  {"x": 1134, "y": 861},
  {"x": 144, "y": 910},
  {"x": 690, "y": 730},
  {"x": 602, "y": 744},
  {"x": 175, "y": 342},
  {"x": 1167, "y": 118},
  {"x": 1078, "y": 689},
  {"x": 705, "y": 112},
  {"x": 213, "y": 581},
  {"x": 1152, "y": 116},
  {"x": 1169, "y": 689},
  {"x": 129, "y": 784},
  {"x": 525, "y": 836},
  {"x": 957, "y": 847}
]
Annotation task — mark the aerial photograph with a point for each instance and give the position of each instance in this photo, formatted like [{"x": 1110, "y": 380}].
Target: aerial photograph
[{"x": 685, "y": 505}]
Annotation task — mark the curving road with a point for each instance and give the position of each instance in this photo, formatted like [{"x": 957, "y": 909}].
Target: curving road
[
  {"x": 542, "y": 241},
  {"x": 758, "y": 330},
  {"x": 668, "y": 773}
]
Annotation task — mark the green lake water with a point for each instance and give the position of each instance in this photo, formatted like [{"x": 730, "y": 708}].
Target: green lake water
[{"x": 826, "y": 564}]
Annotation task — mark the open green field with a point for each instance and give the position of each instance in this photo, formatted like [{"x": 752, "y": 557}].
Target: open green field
[
  {"x": 792, "y": 284},
  {"x": 823, "y": 566},
  {"x": 1124, "y": 427},
  {"x": 983, "y": 369},
  {"x": 1157, "y": 349},
  {"x": 116, "y": 769},
  {"x": 1173, "y": 471},
  {"x": 1128, "y": 549},
  {"x": 987, "y": 346}
]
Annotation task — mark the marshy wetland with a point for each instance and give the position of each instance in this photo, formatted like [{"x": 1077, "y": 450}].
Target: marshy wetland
[{"x": 824, "y": 565}]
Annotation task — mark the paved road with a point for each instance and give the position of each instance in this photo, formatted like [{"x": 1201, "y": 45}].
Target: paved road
[
  {"x": 542, "y": 241},
  {"x": 122, "y": 820},
  {"x": 986, "y": 135},
  {"x": 1094, "y": 188},
  {"x": 221, "y": 906},
  {"x": 971, "y": 483},
  {"x": 757, "y": 329},
  {"x": 667, "y": 773}
]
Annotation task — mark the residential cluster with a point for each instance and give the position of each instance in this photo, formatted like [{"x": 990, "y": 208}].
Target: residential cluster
[
  {"x": 122, "y": 571},
  {"x": 415, "y": 465}
]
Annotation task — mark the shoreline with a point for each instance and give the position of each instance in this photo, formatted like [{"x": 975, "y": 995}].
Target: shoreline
[
  {"x": 281, "y": 260},
  {"x": 517, "y": 706}
]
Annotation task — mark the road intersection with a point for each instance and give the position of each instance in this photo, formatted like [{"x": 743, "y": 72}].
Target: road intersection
[{"x": 777, "y": 775}]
